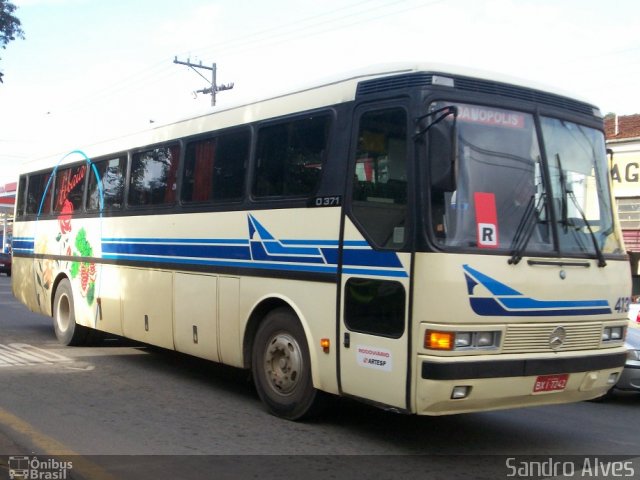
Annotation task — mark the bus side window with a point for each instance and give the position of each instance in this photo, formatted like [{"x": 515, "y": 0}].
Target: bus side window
[
  {"x": 36, "y": 194},
  {"x": 380, "y": 178},
  {"x": 69, "y": 189},
  {"x": 111, "y": 175},
  {"x": 153, "y": 176},
  {"x": 214, "y": 168},
  {"x": 290, "y": 157},
  {"x": 21, "y": 196},
  {"x": 375, "y": 306}
]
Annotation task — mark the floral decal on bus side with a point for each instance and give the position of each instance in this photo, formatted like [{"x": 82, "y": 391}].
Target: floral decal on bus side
[
  {"x": 64, "y": 219},
  {"x": 84, "y": 270},
  {"x": 43, "y": 270},
  {"x": 68, "y": 246}
]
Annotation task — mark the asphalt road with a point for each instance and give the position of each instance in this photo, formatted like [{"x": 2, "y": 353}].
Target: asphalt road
[{"x": 124, "y": 410}]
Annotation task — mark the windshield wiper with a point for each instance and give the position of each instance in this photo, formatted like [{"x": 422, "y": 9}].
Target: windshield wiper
[
  {"x": 526, "y": 227},
  {"x": 601, "y": 261},
  {"x": 566, "y": 194},
  {"x": 443, "y": 113}
]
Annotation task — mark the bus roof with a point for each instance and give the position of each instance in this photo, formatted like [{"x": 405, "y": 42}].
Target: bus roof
[{"x": 330, "y": 91}]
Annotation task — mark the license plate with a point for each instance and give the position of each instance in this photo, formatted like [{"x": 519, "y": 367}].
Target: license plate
[{"x": 550, "y": 383}]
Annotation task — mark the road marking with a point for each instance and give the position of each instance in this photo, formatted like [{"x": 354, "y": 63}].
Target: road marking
[
  {"x": 52, "y": 447},
  {"x": 22, "y": 354}
]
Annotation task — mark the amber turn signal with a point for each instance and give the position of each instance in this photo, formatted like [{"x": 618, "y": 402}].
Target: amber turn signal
[{"x": 436, "y": 340}]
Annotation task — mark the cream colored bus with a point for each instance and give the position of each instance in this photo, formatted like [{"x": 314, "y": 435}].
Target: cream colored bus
[{"x": 424, "y": 238}]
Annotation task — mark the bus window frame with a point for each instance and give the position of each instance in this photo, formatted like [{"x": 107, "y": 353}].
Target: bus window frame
[
  {"x": 36, "y": 215},
  {"x": 213, "y": 204},
  {"x": 122, "y": 156},
  {"x": 406, "y": 104},
  {"x": 21, "y": 196},
  {"x": 252, "y": 171},
  {"x": 54, "y": 185},
  {"x": 179, "y": 142},
  {"x": 428, "y": 241}
]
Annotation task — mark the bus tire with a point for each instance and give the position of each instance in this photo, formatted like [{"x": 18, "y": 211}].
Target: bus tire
[
  {"x": 282, "y": 368},
  {"x": 68, "y": 332}
]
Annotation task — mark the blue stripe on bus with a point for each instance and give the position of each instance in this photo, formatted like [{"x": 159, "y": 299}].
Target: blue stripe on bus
[
  {"x": 355, "y": 261},
  {"x": 491, "y": 307},
  {"x": 505, "y": 301},
  {"x": 332, "y": 269},
  {"x": 228, "y": 252},
  {"x": 275, "y": 248},
  {"x": 376, "y": 273},
  {"x": 326, "y": 243},
  {"x": 226, "y": 263},
  {"x": 220, "y": 241},
  {"x": 261, "y": 250},
  {"x": 530, "y": 303},
  {"x": 23, "y": 244}
]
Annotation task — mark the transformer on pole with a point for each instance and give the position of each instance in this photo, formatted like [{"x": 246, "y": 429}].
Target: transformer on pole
[{"x": 214, "y": 88}]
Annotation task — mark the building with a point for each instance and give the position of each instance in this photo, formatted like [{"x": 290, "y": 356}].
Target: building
[
  {"x": 623, "y": 140},
  {"x": 7, "y": 200}
]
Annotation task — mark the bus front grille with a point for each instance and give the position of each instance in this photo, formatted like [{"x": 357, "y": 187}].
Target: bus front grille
[{"x": 531, "y": 338}]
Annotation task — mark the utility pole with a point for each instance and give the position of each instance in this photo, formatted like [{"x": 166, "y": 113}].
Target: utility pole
[{"x": 214, "y": 88}]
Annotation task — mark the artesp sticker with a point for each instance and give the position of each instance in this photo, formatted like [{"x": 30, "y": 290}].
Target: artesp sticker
[{"x": 374, "y": 357}]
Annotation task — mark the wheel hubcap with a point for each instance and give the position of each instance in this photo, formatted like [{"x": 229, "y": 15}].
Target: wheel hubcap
[
  {"x": 63, "y": 313},
  {"x": 283, "y": 363}
]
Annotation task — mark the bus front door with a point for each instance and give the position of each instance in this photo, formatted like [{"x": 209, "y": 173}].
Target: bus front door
[
  {"x": 374, "y": 339},
  {"x": 376, "y": 265}
]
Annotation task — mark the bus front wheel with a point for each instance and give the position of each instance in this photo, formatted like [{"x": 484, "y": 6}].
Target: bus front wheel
[
  {"x": 282, "y": 368},
  {"x": 68, "y": 332}
]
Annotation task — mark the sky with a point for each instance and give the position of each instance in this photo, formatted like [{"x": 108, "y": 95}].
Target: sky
[{"x": 94, "y": 69}]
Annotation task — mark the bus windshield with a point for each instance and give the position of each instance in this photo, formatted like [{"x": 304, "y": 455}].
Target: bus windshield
[{"x": 501, "y": 200}]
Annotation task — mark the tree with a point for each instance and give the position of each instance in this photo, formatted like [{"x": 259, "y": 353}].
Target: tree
[{"x": 10, "y": 26}]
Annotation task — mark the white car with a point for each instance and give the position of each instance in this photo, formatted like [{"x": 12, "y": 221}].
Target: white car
[{"x": 630, "y": 377}]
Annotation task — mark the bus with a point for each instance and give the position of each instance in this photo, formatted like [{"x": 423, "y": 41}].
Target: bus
[{"x": 424, "y": 238}]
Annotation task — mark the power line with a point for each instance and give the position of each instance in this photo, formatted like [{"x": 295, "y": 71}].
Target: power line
[
  {"x": 214, "y": 87},
  {"x": 157, "y": 72},
  {"x": 290, "y": 31},
  {"x": 276, "y": 28}
]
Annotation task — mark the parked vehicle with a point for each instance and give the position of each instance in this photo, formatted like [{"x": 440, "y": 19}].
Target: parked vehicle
[
  {"x": 634, "y": 312},
  {"x": 630, "y": 376},
  {"x": 5, "y": 263}
]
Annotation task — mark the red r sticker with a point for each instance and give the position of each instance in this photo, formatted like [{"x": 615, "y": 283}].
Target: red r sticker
[{"x": 486, "y": 219}]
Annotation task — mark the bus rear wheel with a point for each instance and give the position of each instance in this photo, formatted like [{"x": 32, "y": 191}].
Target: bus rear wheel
[
  {"x": 68, "y": 332},
  {"x": 282, "y": 368}
]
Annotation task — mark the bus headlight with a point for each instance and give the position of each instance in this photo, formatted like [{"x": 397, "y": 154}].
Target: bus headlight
[
  {"x": 443, "y": 340},
  {"x": 613, "y": 334},
  {"x": 463, "y": 339},
  {"x": 486, "y": 339}
]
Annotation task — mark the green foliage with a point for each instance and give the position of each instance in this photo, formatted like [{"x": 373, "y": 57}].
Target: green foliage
[
  {"x": 82, "y": 245},
  {"x": 75, "y": 269},
  {"x": 10, "y": 26},
  {"x": 91, "y": 293}
]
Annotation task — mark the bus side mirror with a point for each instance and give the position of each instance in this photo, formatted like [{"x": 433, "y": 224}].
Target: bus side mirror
[{"x": 442, "y": 156}]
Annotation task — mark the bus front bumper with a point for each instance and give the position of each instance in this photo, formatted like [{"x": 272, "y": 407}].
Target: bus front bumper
[{"x": 459, "y": 385}]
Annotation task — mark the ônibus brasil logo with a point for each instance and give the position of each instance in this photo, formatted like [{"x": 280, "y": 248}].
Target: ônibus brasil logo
[{"x": 32, "y": 468}]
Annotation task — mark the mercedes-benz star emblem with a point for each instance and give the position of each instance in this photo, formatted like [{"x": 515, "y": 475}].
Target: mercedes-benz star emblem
[{"x": 557, "y": 337}]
